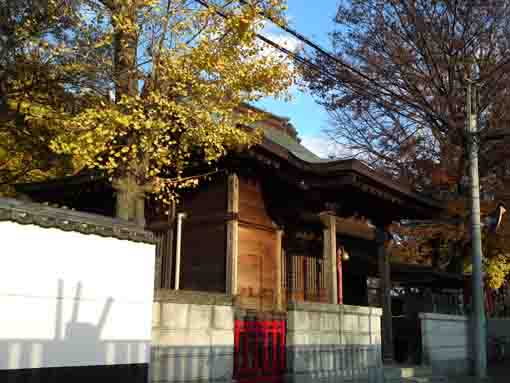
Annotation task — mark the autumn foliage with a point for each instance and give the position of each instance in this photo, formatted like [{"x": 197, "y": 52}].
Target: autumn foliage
[
  {"x": 445, "y": 244},
  {"x": 138, "y": 88},
  {"x": 396, "y": 93}
]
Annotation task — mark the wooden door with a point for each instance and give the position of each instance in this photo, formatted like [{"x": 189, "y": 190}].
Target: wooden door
[{"x": 257, "y": 278}]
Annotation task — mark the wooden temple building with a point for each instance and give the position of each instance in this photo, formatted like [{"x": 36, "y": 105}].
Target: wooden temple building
[{"x": 282, "y": 225}]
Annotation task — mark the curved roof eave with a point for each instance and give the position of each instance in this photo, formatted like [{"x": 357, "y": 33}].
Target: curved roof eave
[{"x": 325, "y": 167}]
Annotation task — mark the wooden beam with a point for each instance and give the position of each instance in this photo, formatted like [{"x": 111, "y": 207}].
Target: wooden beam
[
  {"x": 253, "y": 225},
  {"x": 354, "y": 228},
  {"x": 194, "y": 220},
  {"x": 232, "y": 235}
]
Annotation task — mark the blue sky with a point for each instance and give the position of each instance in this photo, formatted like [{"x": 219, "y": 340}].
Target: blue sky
[{"x": 314, "y": 20}]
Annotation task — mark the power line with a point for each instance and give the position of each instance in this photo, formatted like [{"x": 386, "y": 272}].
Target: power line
[
  {"x": 356, "y": 88},
  {"x": 329, "y": 55}
]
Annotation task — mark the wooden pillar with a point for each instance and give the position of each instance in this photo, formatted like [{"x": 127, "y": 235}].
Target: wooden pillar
[
  {"x": 329, "y": 254},
  {"x": 279, "y": 271},
  {"x": 232, "y": 234},
  {"x": 385, "y": 296}
]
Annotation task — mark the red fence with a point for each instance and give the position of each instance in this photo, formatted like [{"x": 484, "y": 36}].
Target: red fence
[{"x": 259, "y": 348}]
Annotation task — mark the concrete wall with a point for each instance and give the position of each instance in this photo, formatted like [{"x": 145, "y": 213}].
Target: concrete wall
[
  {"x": 498, "y": 327},
  {"x": 445, "y": 343},
  {"x": 334, "y": 342},
  {"x": 71, "y": 299},
  {"x": 193, "y": 337}
]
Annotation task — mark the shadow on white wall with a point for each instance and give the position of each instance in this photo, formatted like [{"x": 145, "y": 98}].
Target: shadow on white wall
[{"x": 77, "y": 342}]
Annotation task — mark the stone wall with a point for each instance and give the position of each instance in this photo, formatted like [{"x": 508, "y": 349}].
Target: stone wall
[
  {"x": 192, "y": 337},
  {"x": 334, "y": 343},
  {"x": 445, "y": 343}
]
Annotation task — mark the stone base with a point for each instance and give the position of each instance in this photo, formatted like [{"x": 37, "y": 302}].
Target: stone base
[
  {"x": 336, "y": 343},
  {"x": 329, "y": 378},
  {"x": 191, "y": 364},
  {"x": 335, "y": 363},
  {"x": 125, "y": 373},
  {"x": 192, "y": 338}
]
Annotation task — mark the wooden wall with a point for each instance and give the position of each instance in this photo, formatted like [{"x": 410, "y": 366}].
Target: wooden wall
[
  {"x": 252, "y": 208},
  {"x": 257, "y": 268},
  {"x": 204, "y": 238}
]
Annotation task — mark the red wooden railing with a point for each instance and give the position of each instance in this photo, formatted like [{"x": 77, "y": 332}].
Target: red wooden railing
[{"x": 259, "y": 348}]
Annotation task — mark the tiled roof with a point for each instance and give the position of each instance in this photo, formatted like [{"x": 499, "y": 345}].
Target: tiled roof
[
  {"x": 303, "y": 158},
  {"x": 291, "y": 144}
]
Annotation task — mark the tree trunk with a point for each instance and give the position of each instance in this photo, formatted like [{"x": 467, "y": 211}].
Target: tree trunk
[
  {"x": 125, "y": 47},
  {"x": 130, "y": 191}
]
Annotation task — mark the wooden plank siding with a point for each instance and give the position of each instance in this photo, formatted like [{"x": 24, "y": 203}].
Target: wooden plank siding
[
  {"x": 257, "y": 269},
  {"x": 207, "y": 199},
  {"x": 252, "y": 208},
  {"x": 203, "y": 258},
  {"x": 258, "y": 275}
]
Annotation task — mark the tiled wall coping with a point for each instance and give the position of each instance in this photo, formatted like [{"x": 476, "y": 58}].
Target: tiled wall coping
[{"x": 29, "y": 213}]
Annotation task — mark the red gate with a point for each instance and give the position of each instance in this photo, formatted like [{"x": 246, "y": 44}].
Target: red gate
[{"x": 259, "y": 350}]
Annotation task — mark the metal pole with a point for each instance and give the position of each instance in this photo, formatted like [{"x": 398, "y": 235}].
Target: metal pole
[
  {"x": 478, "y": 313},
  {"x": 180, "y": 217}
]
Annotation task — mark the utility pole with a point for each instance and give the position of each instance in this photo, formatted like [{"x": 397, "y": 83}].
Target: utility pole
[{"x": 478, "y": 310}]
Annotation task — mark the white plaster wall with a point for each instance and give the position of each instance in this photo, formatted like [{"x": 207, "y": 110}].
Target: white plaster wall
[{"x": 69, "y": 299}]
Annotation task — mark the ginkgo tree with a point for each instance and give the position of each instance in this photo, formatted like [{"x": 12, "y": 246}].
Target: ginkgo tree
[
  {"x": 33, "y": 89},
  {"x": 155, "y": 84}
]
